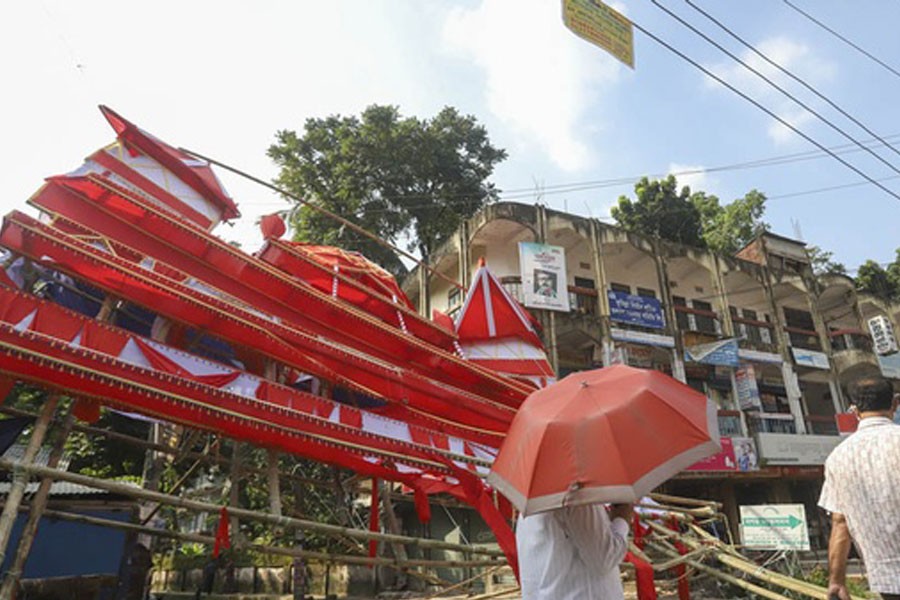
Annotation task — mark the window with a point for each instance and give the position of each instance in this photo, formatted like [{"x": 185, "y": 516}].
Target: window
[
  {"x": 454, "y": 297},
  {"x": 646, "y": 293},
  {"x": 618, "y": 287},
  {"x": 683, "y": 319},
  {"x": 705, "y": 323}
]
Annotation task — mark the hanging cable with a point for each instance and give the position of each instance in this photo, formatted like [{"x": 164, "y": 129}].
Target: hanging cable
[
  {"x": 843, "y": 39},
  {"x": 766, "y": 110},
  {"x": 783, "y": 91},
  {"x": 818, "y": 94}
]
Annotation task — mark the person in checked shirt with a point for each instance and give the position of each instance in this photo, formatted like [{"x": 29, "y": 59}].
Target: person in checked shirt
[{"x": 862, "y": 479}]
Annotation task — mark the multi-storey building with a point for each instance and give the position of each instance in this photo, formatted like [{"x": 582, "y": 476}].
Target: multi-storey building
[{"x": 773, "y": 345}]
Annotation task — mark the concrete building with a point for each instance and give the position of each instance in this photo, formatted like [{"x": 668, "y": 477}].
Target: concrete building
[{"x": 773, "y": 345}]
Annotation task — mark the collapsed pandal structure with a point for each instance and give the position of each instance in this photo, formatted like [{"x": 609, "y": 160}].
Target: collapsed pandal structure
[{"x": 297, "y": 348}]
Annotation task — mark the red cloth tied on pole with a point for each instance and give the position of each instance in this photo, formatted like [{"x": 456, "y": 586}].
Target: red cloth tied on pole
[
  {"x": 644, "y": 577},
  {"x": 223, "y": 540},
  {"x": 86, "y": 410},
  {"x": 684, "y": 587},
  {"x": 374, "y": 525}
]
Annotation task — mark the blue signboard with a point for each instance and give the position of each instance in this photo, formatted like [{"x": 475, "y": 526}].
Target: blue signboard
[{"x": 637, "y": 310}]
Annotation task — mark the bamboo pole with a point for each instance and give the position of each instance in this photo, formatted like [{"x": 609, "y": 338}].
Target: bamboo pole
[
  {"x": 21, "y": 474},
  {"x": 669, "y": 499},
  {"x": 750, "y": 587},
  {"x": 286, "y": 522},
  {"x": 266, "y": 549},
  {"x": 36, "y": 510}
]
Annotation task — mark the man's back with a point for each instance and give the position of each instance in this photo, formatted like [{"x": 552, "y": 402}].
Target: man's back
[
  {"x": 862, "y": 482},
  {"x": 571, "y": 554}
]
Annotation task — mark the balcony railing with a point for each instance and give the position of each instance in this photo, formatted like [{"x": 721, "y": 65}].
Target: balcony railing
[
  {"x": 756, "y": 335},
  {"x": 771, "y": 423},
  {"x": 850, "y": 339},
  {"x": 583, "y": 300},
  {"x": 697, "y": 319},
  {"x": 807, "y": 339},
  {"x": 730, "y": 423}
]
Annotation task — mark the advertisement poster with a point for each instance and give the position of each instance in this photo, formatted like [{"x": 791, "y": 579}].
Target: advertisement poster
[
  {"x": 544, "y": 282},
  {"x": 637, "y": 310},
  {"x": 720, "y": 461},
  {"x": 748, "y": 391},
  {"x": 745, "y": 455},
  {"x": 723, "y": 353}
]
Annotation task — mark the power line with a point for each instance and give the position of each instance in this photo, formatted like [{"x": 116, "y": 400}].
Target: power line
[
  {"x": 843, "y": 39},
  {"x": 764, "y": 109},
  {"x": 791, "y": 75},
  {"x": 783, "y": 91}
]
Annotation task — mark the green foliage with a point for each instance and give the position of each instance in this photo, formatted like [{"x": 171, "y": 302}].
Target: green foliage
[
  {"x": 402, "y": 178},
  {"x": 99, "y": 456},
  {"x": 695, "y": 219},
  {"x": 871, "y": 277},
  {"x": 822, "y": 264}
]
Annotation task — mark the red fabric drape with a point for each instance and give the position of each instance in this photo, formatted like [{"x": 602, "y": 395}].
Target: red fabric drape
[
  {"x": 87, "y": 410},
  {"x": 423, "y": 509},
  {"x": 161, "y": 362},
  {"x": 684, "y": 586},
  {"x": 223, "y": 539},
  {"x": 643, "y": 572}
]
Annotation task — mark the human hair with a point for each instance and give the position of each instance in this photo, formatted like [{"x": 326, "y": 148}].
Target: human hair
[{"x": 871, "y": 394}]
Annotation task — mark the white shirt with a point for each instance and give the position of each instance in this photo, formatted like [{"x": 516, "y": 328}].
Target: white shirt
[
  {"x": 571, "y": 553},
  {"x": 862, "y": 482}
]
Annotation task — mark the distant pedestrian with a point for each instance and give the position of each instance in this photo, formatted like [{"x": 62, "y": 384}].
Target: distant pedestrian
[{"x": 862, "y": 479}]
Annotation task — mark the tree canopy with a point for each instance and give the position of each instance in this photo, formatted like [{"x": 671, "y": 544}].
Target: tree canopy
[
  {"x": 697, "y": 219},
  {"x": 406, "y": 179}
]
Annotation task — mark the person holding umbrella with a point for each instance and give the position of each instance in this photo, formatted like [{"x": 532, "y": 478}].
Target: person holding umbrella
[
  {"x": 573, "y": 553},
  {"x": 605, "y": 436}
]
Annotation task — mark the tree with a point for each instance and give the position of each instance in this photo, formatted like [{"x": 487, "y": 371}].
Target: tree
[
  {"x": 660, "y": 210},
  {"x": 402, "y": 178},
  {"x": 696, "y": 219},
  {"x": 871, "y": 277},
  {"x": 822, "y": 264}
]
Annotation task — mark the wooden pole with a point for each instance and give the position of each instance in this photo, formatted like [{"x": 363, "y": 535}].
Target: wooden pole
[
  {"x": 20, "y": 473},
  {"x": 274, "y": 487},
  {"x": 286, "y": 522},
  {"x": 35, "y": 512}
]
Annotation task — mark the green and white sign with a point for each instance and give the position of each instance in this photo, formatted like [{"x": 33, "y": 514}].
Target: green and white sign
[{"x": 774, "y": 527}]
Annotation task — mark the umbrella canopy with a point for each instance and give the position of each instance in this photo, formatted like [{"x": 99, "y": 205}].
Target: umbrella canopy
[{"x": 609, "y": 435}]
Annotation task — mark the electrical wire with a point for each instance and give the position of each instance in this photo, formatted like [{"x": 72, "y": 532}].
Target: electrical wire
[
  {"x": 774, "y": 85},
  {"x": 763, "y": 108},
  {"x": 843, "y": 39},
  {"x": 782, "y": 69}
]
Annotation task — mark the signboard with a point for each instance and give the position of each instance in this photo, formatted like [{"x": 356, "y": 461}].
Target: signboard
[
  {"x": 641, "y": 337},
  {"x": 544, "y": 276},
  {"x": 883, "y": 335},
  {"x": 774, "y": 527},
  {"x": 810, "y": 358},
  {"x": 602, "y": 26},
  {"x": 760, "y": 357},
  {"x": 722, "y": 353},
  {"x": 747, "y": 390},
  {"x": 792, "y": 449},
  {"x": 737, "y": 454},
  {"x": 637, "y": 310},
  {"x": 889, "y": 365},
  {"x": 745, "y": 456}
]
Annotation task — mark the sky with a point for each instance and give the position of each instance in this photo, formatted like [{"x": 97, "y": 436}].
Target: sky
[{"x": 221, "y": 78}]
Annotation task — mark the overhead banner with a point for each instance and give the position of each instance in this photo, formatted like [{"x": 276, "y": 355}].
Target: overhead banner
[
  {"x": 543, "y": 271},
  {"x": 737, "y": 454},
  {"x": 723, "y": 353},
  {"x": 602, "y": 26},
  {"x": 637, "y": 310}
]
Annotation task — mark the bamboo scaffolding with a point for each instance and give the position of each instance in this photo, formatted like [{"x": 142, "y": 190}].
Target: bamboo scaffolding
[
  {"x": 324, "y": 557},
  {"x": 286, "y": 522}
]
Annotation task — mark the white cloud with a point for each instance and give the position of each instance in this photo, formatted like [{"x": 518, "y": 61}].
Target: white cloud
[
  {"x": 791, "y": 55},
  {"x": 539, "y": 78}
]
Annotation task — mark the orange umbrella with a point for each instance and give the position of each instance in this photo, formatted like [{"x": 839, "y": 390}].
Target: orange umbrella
[{"x": 609, "y": 435}]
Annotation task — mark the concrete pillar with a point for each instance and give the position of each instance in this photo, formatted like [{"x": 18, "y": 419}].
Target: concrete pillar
[{"x": 665, "y": 296}]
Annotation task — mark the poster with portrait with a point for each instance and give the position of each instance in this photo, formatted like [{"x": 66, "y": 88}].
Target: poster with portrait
[{"x": 544, "y": 282}]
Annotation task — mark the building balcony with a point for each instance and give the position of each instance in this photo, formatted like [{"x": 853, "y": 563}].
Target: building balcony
[
  {"x": 730, "y": 423},
  {"x": 705, "y": 323},
  {"x": 807, "y": 339},
  {"x": 852, "y": 354},
  {"x": 781, "y": 423},
  {"x": 755, "y": 335}
]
